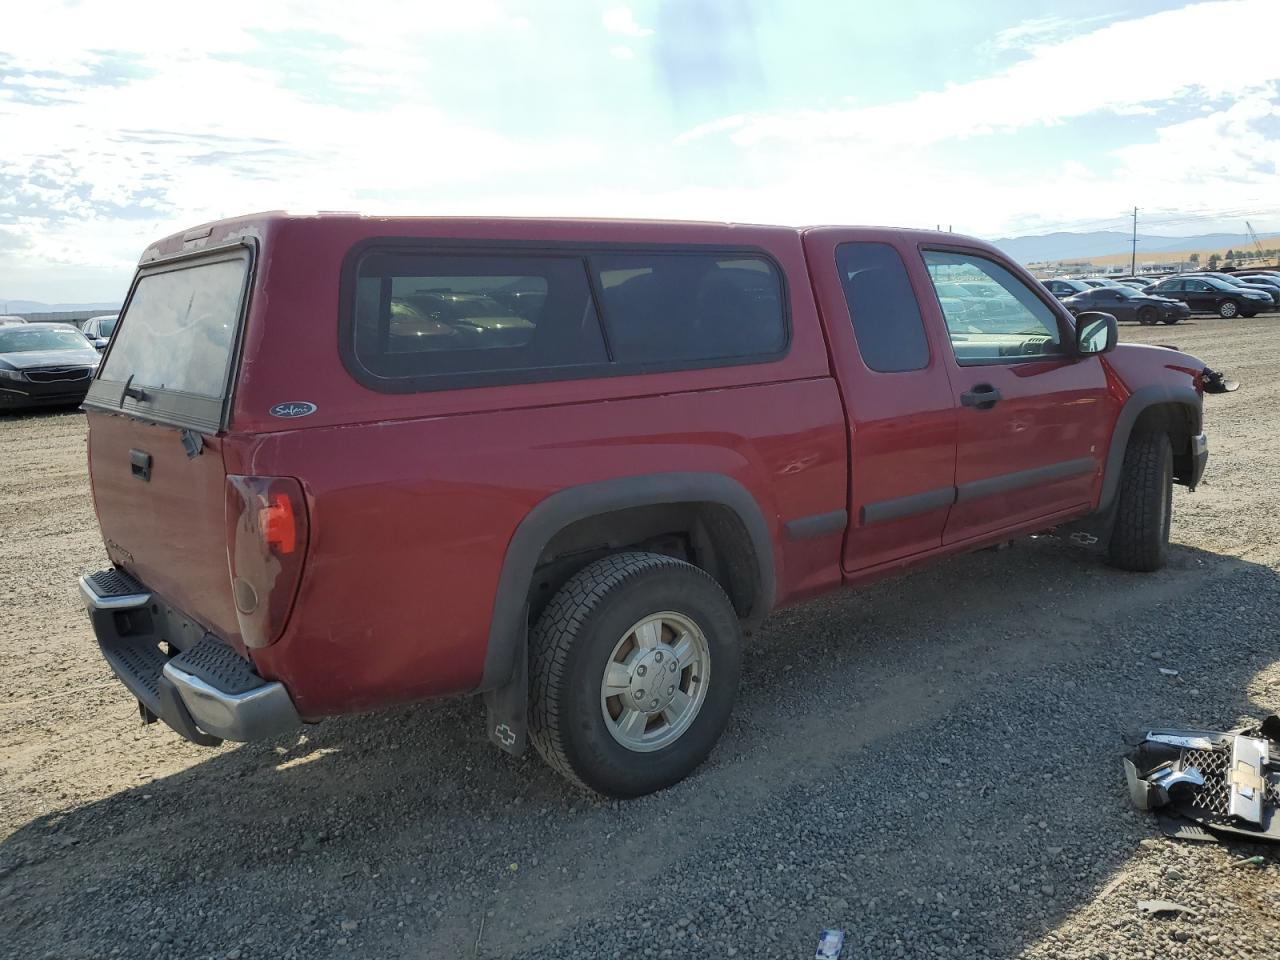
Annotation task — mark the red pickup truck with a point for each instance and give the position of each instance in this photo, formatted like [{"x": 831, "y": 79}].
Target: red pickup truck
[{"x": 345, "y": 462}]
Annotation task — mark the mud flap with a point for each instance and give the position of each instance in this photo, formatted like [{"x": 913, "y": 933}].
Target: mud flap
[
  {"x": 507, "y": 707},
  {"x": 1093, "y": 532}
]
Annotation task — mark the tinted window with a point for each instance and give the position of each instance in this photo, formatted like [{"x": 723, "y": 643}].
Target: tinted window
[
  {"x": 664, "y": 308},
  {"x": 1007, "y": 322},
  {"x": 422, "y": 314},
  {"x": 179, "y": 329},
  {"x": 882, "y": 307}
]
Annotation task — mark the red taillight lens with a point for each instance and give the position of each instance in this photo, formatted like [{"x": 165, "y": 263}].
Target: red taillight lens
[
  {"x": 266, "y": 544},
  {"x": 278, "y": 526}
]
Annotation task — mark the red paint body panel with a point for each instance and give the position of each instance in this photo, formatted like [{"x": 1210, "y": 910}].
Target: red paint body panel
[
  {"x": 409, "y": 534},
  {"x": 902, "y": 426},
  {"x": 413, "y": 498}
]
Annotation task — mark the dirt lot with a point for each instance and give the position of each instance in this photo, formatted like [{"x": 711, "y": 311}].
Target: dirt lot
[{"x": 931, "y": 765}]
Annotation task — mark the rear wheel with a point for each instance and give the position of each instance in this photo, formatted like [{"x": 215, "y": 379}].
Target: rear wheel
[
  {"x": 1140, "y": 537},
  {"x": 633, "y": 672},
  {"x": 1228, "y": 309},
  {"x": 1147, "y": 316},
  {"x": 1170, "y": 320}
]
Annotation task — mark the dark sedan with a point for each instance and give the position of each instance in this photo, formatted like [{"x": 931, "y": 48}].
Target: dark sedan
[
  {"x": 1066, "y": 288},
  {"x": 43, "y": 365},
  {"x": 1210, "y": 295},
  {"x": 1124, "y": 303},
  {"x": 1248, "y": 283},
  {"x": 1263, "y": 281}
]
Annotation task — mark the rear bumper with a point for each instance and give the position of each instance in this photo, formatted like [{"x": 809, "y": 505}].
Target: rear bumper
[{"x": 198, "y": 685}]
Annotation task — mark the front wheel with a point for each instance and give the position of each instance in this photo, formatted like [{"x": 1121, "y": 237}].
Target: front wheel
[
  {"x": 1228, "y": 309},
  {"x": 634, "y": 668},
  {"x": 1140, "y": 537}
]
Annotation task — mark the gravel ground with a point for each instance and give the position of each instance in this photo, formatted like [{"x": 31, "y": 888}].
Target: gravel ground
[{"x": 932, "y": 765}]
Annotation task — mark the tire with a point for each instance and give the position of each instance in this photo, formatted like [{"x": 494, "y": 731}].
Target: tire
[
  {"x": 1170, "y": 320},
  {"x": 1147, "y": 316},
  {"x": 1249, "y": 316},
  {"x": 1140, "y": 537},
  {"x": 1228, "y": 309},
  {"x": 600, "y": 617}
]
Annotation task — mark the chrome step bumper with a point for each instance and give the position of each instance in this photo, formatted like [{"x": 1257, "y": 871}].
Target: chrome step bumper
[{"x": 207, "y": 692}]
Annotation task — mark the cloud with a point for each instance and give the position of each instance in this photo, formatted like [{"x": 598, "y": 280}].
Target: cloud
[
  {"x": 1103, "y": 70},
  {"x": 1041, "y": 30},
  {"x": 123, "y": 125},
  {"x": 620, "y": 20}
]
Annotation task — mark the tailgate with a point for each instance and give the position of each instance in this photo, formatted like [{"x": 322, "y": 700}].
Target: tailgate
[
  {"x": 163, "y": 514},
  {"x": 156, "y": 411}
]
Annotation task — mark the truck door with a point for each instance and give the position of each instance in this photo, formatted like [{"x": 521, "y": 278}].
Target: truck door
[
  {"x": 1034, "y": 419},
  {"x": 899, "y": 408}
]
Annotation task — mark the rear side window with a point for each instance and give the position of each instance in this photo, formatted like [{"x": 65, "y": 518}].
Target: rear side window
[
  {"x": 425, "y": 314},
  {"x": 882, "y": 307},
  {"x": 179, "y": 330},
  {"x": 668, "y": 308},
  {"x": 439, "y": 318}
]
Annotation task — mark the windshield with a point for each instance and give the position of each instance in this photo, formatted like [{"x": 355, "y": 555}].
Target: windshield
[
  {"x": 179, "y": 328},
  {"x": 29, "y": 337}
]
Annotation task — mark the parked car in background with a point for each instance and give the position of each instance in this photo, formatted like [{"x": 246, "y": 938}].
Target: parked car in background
[
  {"x": 1269, "y": 281},
  {"x": 316, "y": 502},
  {"x": 44, "y": 364},
  {"x": 1205, "y": 294},
  {"x": 1244, "y": 282},
  {"x": 1138, "y": 283},
  {"x": 1125, "y": 303},
  {"x": 8, "y": 319},
  {"x": 97, "y": 330},
  {"x": 1066, "y": 288}
]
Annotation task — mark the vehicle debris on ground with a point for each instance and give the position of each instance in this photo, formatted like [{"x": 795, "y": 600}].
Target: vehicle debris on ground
[{"x": 1226, "y": 782}]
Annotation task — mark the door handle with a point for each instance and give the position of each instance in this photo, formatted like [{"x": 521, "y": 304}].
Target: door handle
[
  {"x": 140, "y": 464},
  {"x": 984, "y": 396}
]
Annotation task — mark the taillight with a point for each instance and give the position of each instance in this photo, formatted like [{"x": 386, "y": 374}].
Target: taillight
[{"x": 266, "y": 545}]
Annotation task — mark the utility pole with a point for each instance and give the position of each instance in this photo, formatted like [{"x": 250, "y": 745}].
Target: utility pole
[{"x": 1133, "y": 260}]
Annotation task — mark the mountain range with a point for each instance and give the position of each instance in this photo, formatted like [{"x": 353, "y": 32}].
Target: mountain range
[
  {"x": 1073, "y": 246},
  {"x": 35, "y": 306}
]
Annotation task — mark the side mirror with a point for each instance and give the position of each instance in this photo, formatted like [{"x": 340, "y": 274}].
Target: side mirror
[{"x": 1095, "y": 333}]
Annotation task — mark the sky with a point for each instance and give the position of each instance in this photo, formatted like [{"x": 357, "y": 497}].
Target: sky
[{"x": 122, "y": 121}]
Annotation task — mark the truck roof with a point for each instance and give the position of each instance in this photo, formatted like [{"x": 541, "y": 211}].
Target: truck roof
[{"x": 548, "y": 228}]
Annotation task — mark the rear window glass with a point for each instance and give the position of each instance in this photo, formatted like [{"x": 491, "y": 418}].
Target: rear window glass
[
  {"x": 179, "y": 329},
  {"x": 674, "y": 307},
  {"x": 882, "y": 307},
  {"x": 422, "y": 314}
]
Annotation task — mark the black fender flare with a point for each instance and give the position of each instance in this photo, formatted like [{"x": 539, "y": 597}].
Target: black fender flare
[
  {"x": 1142, "y": 399},
  {"x": 572, "y": 504}
]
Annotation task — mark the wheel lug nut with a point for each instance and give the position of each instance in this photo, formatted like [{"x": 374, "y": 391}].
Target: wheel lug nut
[
  {"x": 642, "y": 670},
  {"x": 670, "y": 690},
  {"x": 657, "y": 657},
  {"x": 672, "y": 666},
  {"x": 655, "y": 705},
  {"x": 639, "y": 694}
]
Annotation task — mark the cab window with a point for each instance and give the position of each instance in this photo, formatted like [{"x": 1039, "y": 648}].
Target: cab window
[{"x": 991, "y": 315}]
